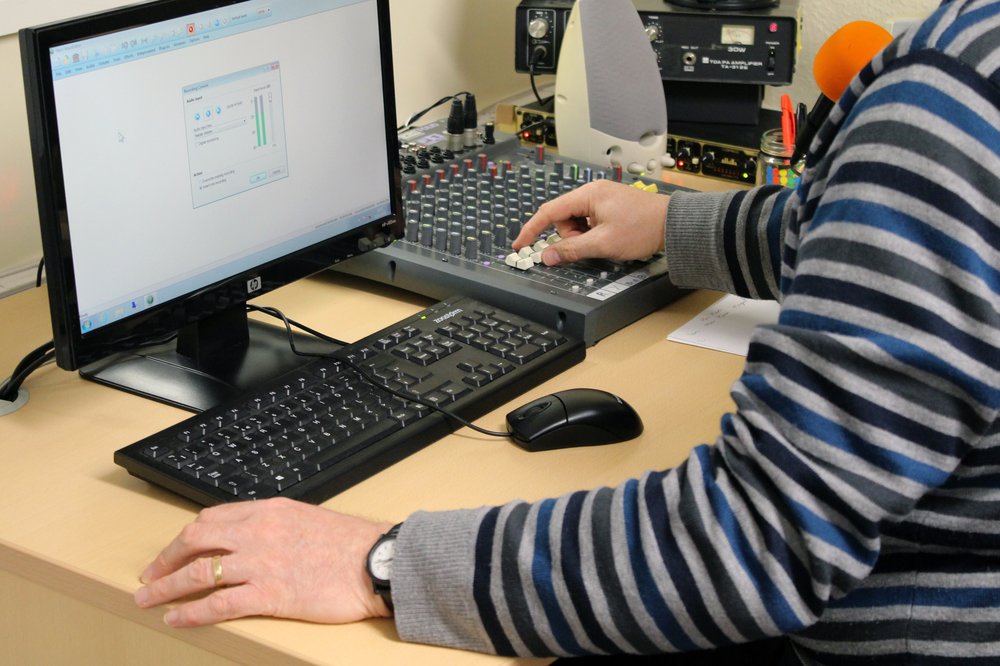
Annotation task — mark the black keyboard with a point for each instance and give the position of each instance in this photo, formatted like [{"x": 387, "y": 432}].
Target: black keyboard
[{"x": 318, "y": 430}]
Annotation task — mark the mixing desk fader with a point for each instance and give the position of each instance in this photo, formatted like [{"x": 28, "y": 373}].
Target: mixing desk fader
[{"x": 462, "y": 214}]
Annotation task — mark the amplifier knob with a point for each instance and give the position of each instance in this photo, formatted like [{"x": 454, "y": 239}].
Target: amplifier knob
[
  {"x": 683, "y": 158},
  {"x": 653, "y": 32},
  {"x": 538, "y": 28}
]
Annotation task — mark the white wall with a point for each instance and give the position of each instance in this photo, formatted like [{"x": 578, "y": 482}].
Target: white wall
[
  {"x": 440, "y": 47},
  {"x": 820, "y": 18}
]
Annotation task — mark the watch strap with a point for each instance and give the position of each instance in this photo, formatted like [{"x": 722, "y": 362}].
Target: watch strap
[{"x": 383, "y": 588}]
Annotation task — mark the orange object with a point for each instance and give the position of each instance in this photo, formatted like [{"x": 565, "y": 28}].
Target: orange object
[
  {"x": 787, "y": 123},
  {"x": 845, "y": 53}
]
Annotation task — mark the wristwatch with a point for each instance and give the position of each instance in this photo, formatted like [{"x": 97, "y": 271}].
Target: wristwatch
[{"x": 379, "y": 564}]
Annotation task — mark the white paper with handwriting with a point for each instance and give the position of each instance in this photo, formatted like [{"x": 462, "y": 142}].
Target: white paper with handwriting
[{"x": 726, "y": 325}]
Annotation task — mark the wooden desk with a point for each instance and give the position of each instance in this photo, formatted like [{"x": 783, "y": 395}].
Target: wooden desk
[{"x": 76, "y": 530}]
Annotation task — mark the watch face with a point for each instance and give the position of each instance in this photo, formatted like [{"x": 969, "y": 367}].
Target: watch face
[{"x": 380, "y": 560}]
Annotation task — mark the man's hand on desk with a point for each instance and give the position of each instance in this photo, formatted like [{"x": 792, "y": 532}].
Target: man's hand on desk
[
  {"x": 278, "y": 558},
  {"x": 601, "y": 219}
]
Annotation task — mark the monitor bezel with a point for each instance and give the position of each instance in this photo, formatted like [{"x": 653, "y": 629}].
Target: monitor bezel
[{"x": 73, "y": 348}]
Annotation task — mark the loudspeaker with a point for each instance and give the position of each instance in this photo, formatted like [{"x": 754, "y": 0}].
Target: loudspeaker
[{"x": 610, "y": 105}]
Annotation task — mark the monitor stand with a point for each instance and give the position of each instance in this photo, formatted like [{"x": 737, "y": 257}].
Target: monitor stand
[{"x": 212, "y": 361}]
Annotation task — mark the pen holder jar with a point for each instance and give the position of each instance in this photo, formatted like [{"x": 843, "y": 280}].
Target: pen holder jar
[{"x": 774, "y": 164}]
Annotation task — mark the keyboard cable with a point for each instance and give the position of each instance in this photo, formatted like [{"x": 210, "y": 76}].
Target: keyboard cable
[
  {"x": 46, "y": 354},
  {"x": 289, "y": 323}
]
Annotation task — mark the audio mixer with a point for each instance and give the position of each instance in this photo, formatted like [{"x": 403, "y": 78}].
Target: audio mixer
[{"x": 462, "y": 212}]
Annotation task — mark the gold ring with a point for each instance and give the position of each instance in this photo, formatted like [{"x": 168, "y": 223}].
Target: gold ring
[{"x": 217, "y": 569}]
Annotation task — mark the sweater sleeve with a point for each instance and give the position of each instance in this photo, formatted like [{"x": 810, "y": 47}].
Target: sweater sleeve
[
  {"x": 729, "y": 241},
  {"x": 881, "y": 375}
]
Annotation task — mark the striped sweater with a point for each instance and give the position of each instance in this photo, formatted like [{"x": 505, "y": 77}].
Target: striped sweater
[{"x": 852, "y": 500}]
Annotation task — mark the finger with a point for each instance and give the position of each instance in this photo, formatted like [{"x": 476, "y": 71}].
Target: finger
[
  {"x": 195, "y": 540},
  {"x": 574, "y": 248},
  {"x": 564, "y": 210},
  {"x": 231, "y": 511},
  {"x": 193, "y": 578},
  {"x": 225, "y": 604}
]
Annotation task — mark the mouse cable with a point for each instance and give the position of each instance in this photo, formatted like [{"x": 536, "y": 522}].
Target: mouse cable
[
  {"x": 420, "y": 114},
  {"x": 278, "y": 314},
  {"x": 31, "y": 362}
]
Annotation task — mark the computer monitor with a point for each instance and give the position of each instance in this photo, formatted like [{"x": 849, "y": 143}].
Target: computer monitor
[{"x": 191, "y": 155}]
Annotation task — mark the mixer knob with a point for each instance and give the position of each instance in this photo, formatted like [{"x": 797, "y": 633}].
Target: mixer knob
[
  {"x": 538, "y": 28},
  {"x": 486, "y": 242},
  {"x": 454, "y": 242},
  {"x": 441, "y": 239},
  {"x": 412, "y": 230},
  {"x": 471, "y": 249},
  {"x": 653, "y": 32},
  {"x": 426, "y": 234},
  {"x": 513, "y": 228}
]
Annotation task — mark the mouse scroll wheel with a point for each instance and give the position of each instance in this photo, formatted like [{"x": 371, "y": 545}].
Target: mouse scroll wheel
[{"x": 534, "y": 410}]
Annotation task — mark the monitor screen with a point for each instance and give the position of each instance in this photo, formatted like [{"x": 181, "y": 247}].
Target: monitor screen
[{"x": 191, "y": 155}]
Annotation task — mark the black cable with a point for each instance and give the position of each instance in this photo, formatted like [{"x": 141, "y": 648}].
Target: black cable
[
  {"x": 38, "y": 276},
  {"x": 543, "y": 121},
  {"x": 31, "y": 356},
  {"x": 420, "y": 114},
  {"x": 274, "y": 312},
  {"x": 34, "y": 360},
  {"x": 278, "y": 314},
  {"x": 535, "y": 57},
  {"x": 429, "y": 405}
]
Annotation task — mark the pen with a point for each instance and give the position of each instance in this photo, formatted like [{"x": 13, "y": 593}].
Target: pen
[{"x": 787, "y": 123}]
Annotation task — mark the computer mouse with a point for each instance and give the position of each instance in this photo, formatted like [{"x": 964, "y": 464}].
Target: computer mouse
[{"x": 575, "y": 417}]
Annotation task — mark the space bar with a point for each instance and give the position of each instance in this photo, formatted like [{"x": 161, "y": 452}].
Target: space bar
[{"x": 350, "y": 445}]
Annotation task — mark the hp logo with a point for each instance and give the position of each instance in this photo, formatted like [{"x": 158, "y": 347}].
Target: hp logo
[{"x": 254, "y": 285}]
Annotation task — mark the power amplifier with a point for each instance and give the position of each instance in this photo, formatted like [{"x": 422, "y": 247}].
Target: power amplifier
[{"x": 754, "y": 46}]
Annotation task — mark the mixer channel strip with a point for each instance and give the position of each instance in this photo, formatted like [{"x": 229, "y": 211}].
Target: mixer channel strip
[{"x": 463, "y": 212}]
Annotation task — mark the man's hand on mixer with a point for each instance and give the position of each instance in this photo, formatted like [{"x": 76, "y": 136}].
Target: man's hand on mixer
[{"x": 601, "y": 219}]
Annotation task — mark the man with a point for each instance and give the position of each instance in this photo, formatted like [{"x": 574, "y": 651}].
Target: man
[{"x": 852, "y": 502}]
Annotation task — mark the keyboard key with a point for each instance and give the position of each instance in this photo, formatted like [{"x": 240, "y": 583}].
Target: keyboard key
[{"x": 155, "y": 451}]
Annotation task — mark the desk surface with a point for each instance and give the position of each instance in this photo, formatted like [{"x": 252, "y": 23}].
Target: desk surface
[{"x": 76, "y": 525}]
